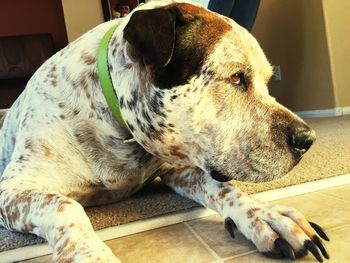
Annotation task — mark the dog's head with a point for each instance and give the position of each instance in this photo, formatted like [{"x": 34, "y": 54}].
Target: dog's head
[{"x": 201, "y": 98}]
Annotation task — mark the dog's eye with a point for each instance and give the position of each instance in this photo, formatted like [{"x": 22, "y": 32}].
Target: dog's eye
[{"x": 238, "y": 79}]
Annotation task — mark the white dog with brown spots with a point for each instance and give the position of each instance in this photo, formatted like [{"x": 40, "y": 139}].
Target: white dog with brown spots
[{"x": 192, "y": 92}]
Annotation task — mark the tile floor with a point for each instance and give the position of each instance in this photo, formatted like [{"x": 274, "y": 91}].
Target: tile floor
[{"x": 204, "y": 240}]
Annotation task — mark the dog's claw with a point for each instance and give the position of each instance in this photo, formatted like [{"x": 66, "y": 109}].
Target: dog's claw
[
  {"x": 319, "y": 230},
  {"x": 283, "y": 246},
  {"x": 313, "y": 249},
  {"x": 318, "y": 243},
  {"x": 230, "y": 226}
]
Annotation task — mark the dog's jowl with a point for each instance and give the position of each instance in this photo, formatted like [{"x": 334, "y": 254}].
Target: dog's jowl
[{"x": 192, "y": 107}]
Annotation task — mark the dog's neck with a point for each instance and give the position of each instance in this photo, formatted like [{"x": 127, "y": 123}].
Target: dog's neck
[{"x": 133, "y": 85}]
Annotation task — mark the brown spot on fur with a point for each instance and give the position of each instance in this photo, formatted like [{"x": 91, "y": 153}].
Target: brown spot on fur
[
  {"x": 62, "y": 116},
  {"x": 93, "y": 107},
  {"x": 94, "y": 76},
  {"x": 190, "y": 110},
  {"x": 88, "y": 59},
  {"x": 257, "y": 225},
  {"x": 61, "y": 105},
  {"x": 29, "y": 145},
  {"x": 83, "y": 83},
  {"x": 76, "y": 112},
  {"x": 213, "y": 26},
  {"x": 251, "y": 212},
  {"x": 52, "y": 75},
  {"x": 47, "y": 150},
  {"x": 75, "y": 84},
  {"x": 223, "y": 193},
  {"x": 175, "y": 151},
  {"x": 62, "y": 205}
]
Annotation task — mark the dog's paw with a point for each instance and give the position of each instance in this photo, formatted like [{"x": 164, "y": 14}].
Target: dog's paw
[
  {"x": 279, "y": 231},
  {"x": 91, "y": 250}
]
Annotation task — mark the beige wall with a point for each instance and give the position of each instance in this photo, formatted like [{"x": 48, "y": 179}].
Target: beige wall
[
  {"x": 80, "y": 16},
  {"x": 293, "y": 35},
  {"x": 337, "y": 16}
]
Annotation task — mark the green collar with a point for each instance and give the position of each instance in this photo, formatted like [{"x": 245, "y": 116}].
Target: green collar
[{"x": 105, "y": 77}]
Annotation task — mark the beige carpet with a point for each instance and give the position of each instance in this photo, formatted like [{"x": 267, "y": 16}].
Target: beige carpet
[{"x": 329, "y": 156}]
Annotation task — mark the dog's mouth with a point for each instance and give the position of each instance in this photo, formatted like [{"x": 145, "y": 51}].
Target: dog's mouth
[
  {"x": 217, "y": 175},
  {"x": 220, "y": 177}
]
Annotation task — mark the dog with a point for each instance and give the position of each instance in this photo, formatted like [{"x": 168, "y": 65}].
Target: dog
[{"x": 194, "y": 110}]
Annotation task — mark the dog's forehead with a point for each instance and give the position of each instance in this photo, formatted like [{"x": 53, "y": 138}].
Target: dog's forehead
[
  {"x": 238, "y": 50},
  {"x": 212, "y": 25}
]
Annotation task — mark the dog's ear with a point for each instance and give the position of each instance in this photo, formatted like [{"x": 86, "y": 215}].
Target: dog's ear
[{"x": 152, "y": 34}]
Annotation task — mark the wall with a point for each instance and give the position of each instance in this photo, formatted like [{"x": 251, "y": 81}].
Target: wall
[
  {"x": 80, "y": 17},
  {"x": 292, "y": 34},
  {"x": 337, "y": 16},
  {"x": 31, "y": 17}
]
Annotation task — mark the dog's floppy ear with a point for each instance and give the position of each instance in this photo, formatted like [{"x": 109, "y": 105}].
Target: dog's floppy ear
[{"x": 152, "y": 34}]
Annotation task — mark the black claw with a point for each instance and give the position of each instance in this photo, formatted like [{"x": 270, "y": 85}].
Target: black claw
[
  {"x": 319, "y": 231},
  {"x": 313, "y": 249},
  {"x": 230, "y": 226},
  {"x": 286, "y": 249},
  {"x": 318, "y": 243}
]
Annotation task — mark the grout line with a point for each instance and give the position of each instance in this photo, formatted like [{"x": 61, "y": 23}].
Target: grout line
[
  {"x": 153, "y": 223},
  {"x": 242, "y": 254},
  {"x": 338, "y": 227},
  {"x": 210, "y": 250}
]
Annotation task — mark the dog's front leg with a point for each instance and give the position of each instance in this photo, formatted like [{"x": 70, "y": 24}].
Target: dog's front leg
[
  {"x": 277, "y": 231},
  {"x": 60, "y": 220}
]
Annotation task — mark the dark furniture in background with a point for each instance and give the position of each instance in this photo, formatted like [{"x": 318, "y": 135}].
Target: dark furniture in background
[{"x": 20, "y": 56}]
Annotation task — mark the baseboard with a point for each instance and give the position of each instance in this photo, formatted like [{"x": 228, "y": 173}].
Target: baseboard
[
  {"x": 346, "y": 110},
  {"x": 338, "y": 111}
]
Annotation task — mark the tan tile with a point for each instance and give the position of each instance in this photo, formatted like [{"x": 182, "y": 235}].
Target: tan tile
[
  {"x": 211, "y": 230},
  {"x": 321, "y": 209},
  {"x": 258, "y": 258},
  {"x": 44, "y": 259},
  {"x": 338, "y": 249},
  {"x": 341, "y": 192},
  {"x": 170, "y": 244}
]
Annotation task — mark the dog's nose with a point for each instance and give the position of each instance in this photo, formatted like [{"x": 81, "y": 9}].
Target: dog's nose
[{"x": 301, "y": 138}]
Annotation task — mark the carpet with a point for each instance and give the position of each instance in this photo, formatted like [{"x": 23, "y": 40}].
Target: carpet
[{"x": 329, "y": 156}]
